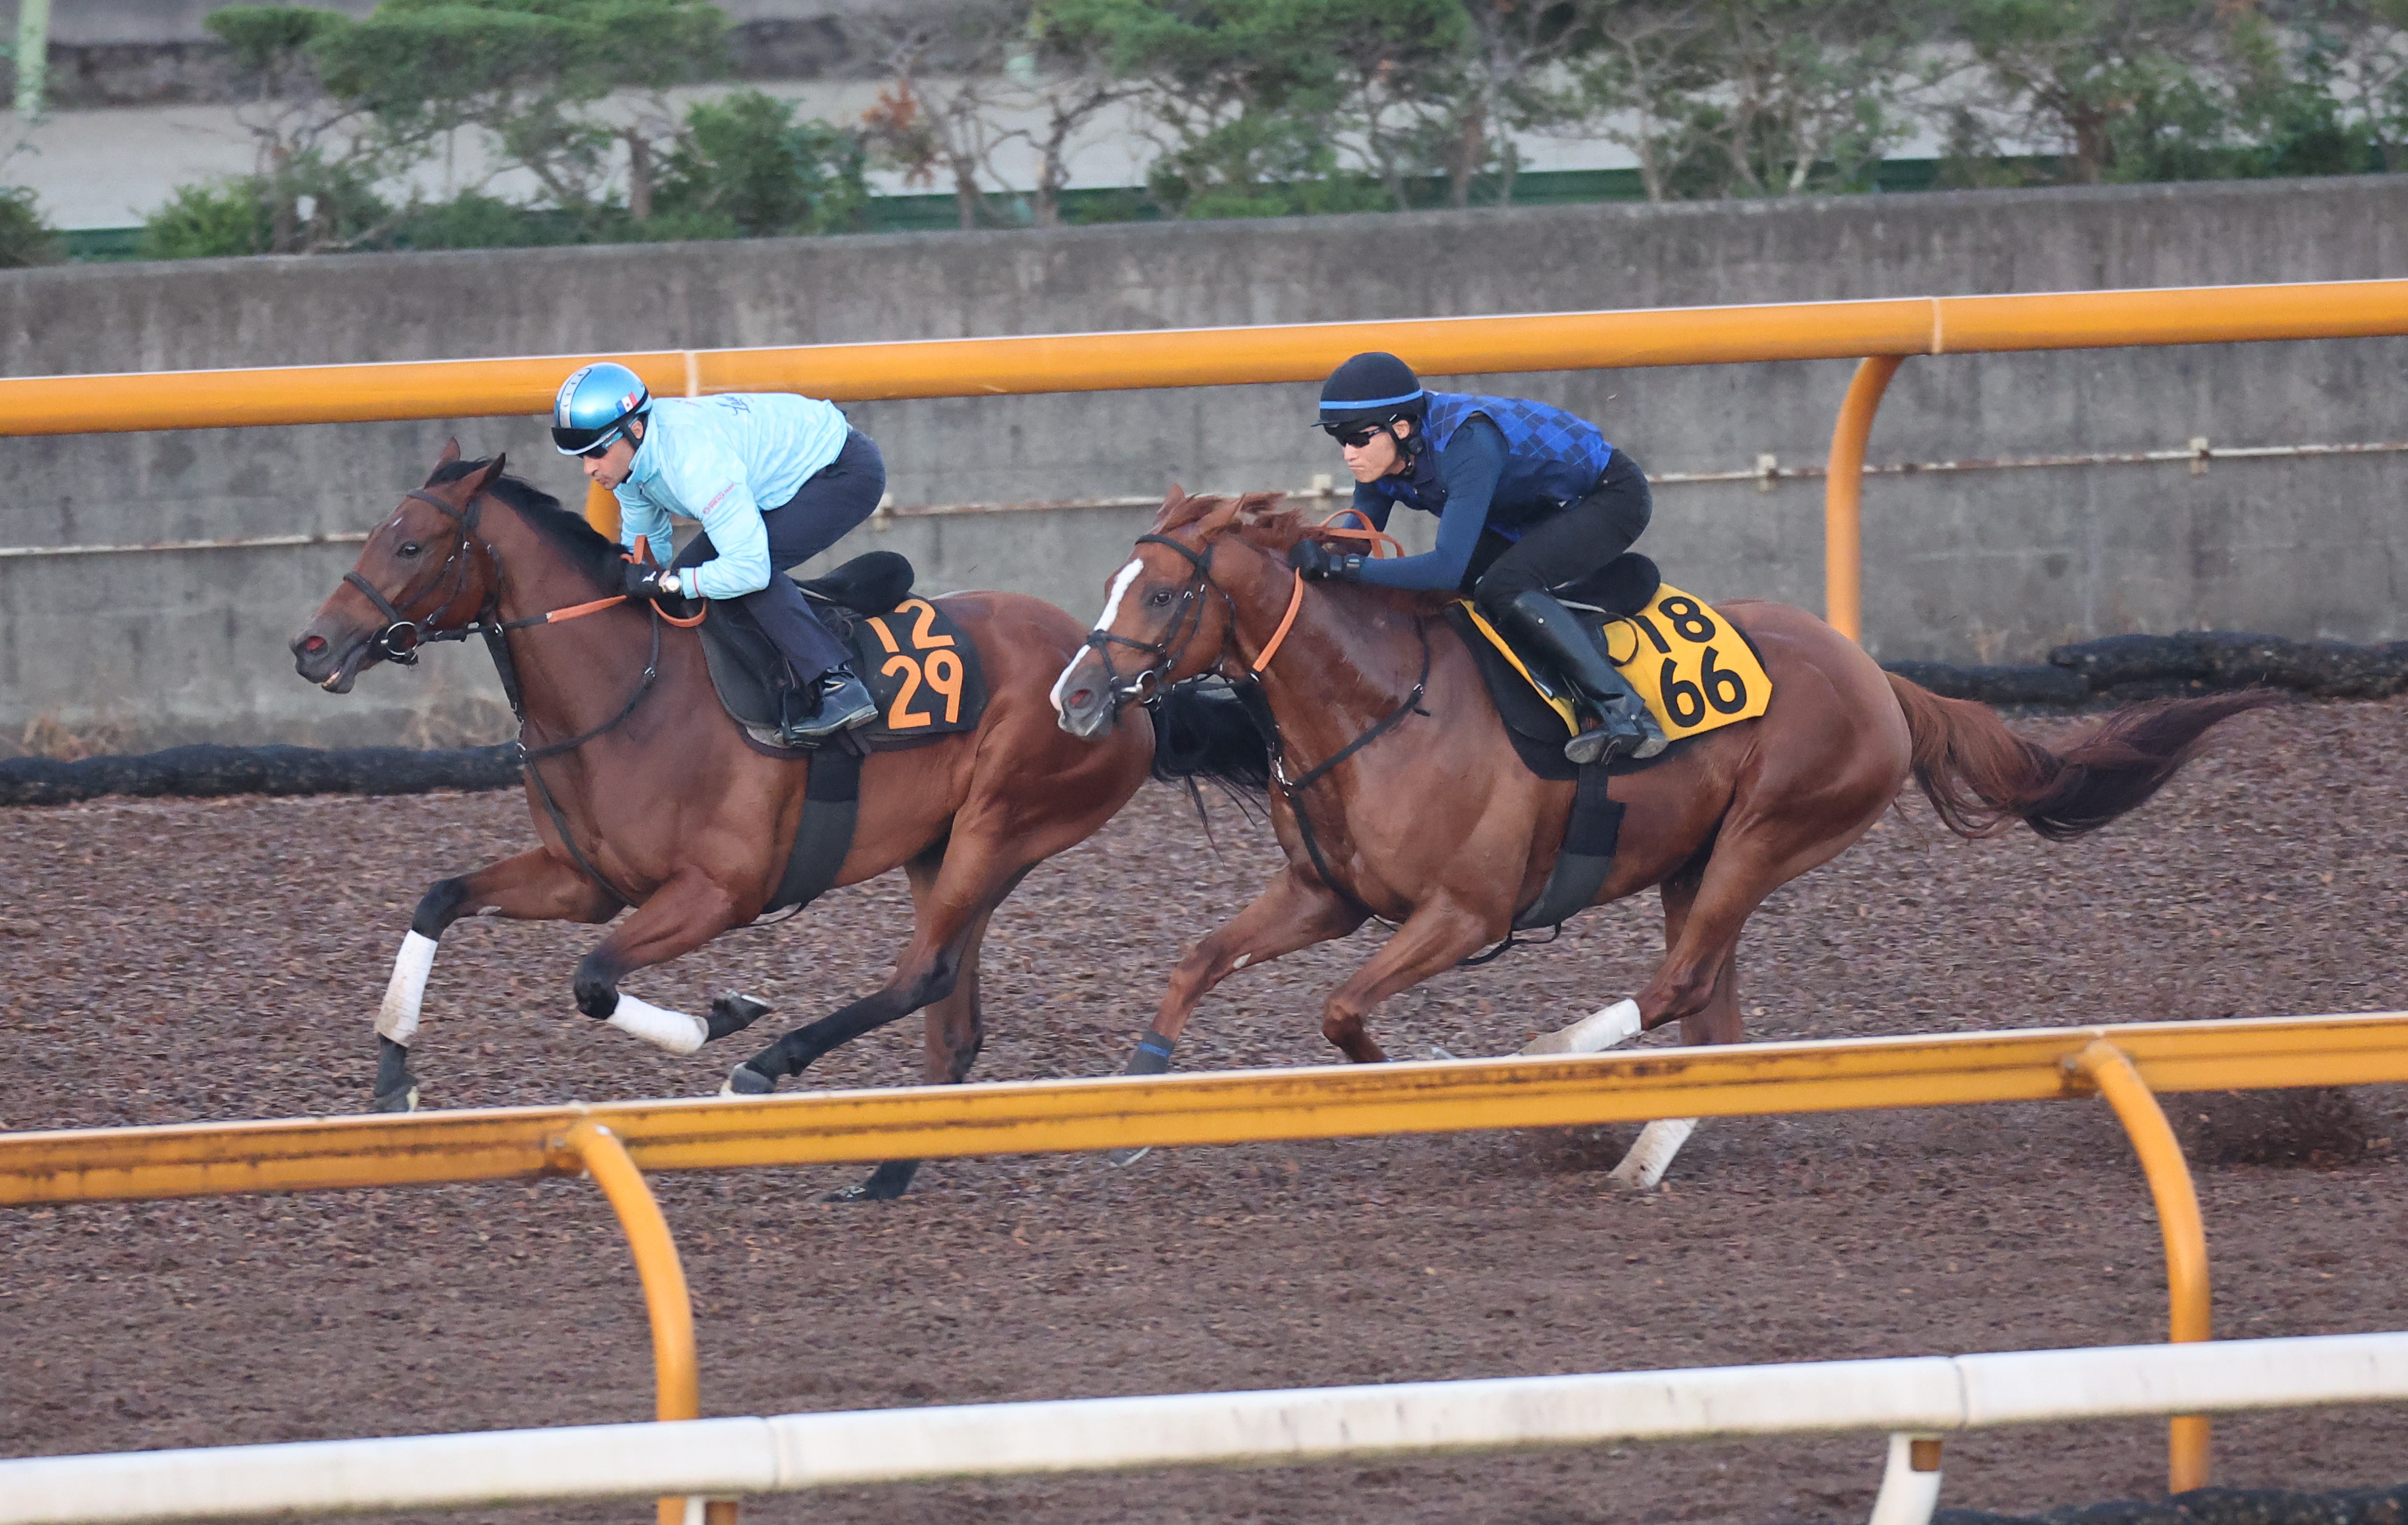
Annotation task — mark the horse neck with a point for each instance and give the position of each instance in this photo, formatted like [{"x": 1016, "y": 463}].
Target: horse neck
[
  {"x": 574, "y": 675},
  {"x": 1347, "y": 662}
]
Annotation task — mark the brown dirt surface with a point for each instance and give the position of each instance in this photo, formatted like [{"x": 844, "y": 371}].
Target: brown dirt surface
[{"x": 170, "y": 961}]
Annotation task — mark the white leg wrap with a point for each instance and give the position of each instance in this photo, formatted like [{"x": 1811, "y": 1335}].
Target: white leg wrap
[
  {"x": 662, "y": 1029},
  {"x": 1652, "y": 1156},
  {"x": 1593, "y": 1033},
  {"x": 397, "y": 1018}
]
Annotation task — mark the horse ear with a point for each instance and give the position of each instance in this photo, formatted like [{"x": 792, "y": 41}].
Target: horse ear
[
  {"x": 491, "y": 474},
  {"x": 1220, "y": 518},
  {"x": 1171, "y": 505},
  {"x": 450, "y": 453}
]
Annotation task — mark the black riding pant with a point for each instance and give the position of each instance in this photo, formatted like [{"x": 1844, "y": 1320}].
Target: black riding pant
[
  {"x": 829, "y": 504},
  {"x": 1561, "y": 553}
]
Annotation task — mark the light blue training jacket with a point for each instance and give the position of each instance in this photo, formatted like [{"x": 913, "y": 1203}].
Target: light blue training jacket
[{"x": 723, "y": 460}]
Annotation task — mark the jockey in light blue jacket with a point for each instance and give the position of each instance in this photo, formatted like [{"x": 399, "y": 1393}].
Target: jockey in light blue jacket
[{"x": 773, "y": 479}]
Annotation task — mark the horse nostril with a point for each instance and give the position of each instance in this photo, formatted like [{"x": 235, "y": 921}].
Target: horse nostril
[
  {"x": 315, "y": 645},
  {"x": 1078, "y": 698}
]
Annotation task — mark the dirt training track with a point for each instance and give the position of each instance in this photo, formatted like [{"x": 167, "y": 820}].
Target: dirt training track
[{"x": 165, "y": 962}]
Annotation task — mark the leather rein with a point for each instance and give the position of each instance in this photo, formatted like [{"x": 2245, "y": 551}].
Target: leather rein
[
  {"x": 400, "y": 639},
  {"x": 1147, "y": 682}
]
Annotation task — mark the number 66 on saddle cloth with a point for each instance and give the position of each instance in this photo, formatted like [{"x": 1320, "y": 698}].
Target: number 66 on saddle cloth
[{"x": 1692, "y": 667}]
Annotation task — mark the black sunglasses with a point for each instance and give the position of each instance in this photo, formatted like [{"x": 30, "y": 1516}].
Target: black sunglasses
[{"x": 1355, "y": 436}]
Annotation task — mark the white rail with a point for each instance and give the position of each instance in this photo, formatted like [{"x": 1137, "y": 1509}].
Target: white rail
[{"x": 1924, "y": 1396}]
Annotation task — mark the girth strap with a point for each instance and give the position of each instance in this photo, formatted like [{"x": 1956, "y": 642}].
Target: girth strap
[{"x": 824, "y": 835}]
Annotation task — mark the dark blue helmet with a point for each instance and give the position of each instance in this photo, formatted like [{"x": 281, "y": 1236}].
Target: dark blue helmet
[
  {"x": 594, "y": 407},
  {"x": 1372, "y": 388}
]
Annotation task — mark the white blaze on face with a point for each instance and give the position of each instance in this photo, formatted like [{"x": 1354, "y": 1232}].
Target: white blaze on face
[
  {"x": 397, "y": 1018},
  {"x": 1120, "y": 581}
]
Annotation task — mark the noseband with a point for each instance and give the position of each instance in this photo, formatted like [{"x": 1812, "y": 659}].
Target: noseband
[
  {"x": 1144, "y": 683},
  {"x": 401, "y": 637}
]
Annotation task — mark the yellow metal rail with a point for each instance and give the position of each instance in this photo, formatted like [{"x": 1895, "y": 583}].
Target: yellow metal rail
[
  {"x": 2189, "y": 1305},
  {"x": 665, "y": 1299},
  {"x": 1070, "y": 1115},
  {"x": 1882, "y": 331},
  {"x": 1179, "y": 357},
  {"x": 613, "y": 1140}
]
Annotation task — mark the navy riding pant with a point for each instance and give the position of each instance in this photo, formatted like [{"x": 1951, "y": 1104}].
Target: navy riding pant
[
  {"x": 829, "y": 504},
  {"x": 1560, "y": 553}
]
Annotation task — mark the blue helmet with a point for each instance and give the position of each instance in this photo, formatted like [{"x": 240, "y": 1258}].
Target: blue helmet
[{"x": 594, "y": 407}]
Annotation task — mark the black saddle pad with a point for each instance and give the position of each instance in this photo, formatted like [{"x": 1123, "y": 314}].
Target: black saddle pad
[
  {"x": 1622, "y": 587},
  {"x": 919, "y": 662}
]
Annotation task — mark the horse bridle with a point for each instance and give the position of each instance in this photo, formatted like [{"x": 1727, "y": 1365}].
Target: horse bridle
[
  {"x": 1143, "y": 684},
  {"x": 391, "y": 644},
  {"x": 401, "y": 637}
]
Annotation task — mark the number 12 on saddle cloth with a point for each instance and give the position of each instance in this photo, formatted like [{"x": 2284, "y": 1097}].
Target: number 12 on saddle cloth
[
  {"x": 921, "y": 670},
  {"x": 1695, "y": 670}
]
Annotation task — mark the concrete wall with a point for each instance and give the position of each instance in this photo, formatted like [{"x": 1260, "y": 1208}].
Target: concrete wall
[{"x": 1977, "y": 564}]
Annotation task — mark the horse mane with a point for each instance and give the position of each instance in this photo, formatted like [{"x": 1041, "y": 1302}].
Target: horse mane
[
  {"x": 592, "y": 552},
  {"x": 1261, "y": 519},
  {"x": 1264, "y": 521}
]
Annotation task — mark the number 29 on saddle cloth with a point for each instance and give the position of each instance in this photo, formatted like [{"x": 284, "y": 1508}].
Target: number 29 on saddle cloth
[
  {"x": 1692, "y": 666},
  {"x": 921, "y": 669}
]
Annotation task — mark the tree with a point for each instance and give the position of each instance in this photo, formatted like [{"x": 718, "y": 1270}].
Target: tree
[
  {"x": 2119, "y": 89},
  {"x": 1250, "y": 98},
  {"x": 529, "y": 73},
  {"x": 316, "y": 154},
  {"x": 743, "y": 167}
]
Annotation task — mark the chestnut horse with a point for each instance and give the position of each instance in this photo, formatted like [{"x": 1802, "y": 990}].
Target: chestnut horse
[
  {"x": 1435, "y": 825},
  {"x": 666, "y": 808}
]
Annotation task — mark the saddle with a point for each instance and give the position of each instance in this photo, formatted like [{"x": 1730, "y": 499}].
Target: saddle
[
  {"x": 920, "y": 665},
  {"x": 1696, "y": 668}
]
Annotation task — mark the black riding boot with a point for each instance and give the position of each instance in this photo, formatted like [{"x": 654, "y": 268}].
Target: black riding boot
[
  {"x": 837, "y": 701},
  {"x": 1626, "y": 727}
]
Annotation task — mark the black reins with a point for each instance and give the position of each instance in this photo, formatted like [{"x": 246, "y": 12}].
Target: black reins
[{"x": 394, "y": 645}]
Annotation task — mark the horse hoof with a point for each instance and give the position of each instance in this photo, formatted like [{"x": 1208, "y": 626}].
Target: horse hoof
[
  {"x": 1125, "y": 1158},
  {"x": 733, "y": 1013},
  {"x": 746, "y": 1081},
  {"x": 404, "y": 1099}
]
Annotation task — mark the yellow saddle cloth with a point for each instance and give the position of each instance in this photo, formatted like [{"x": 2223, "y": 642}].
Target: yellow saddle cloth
[{"x": 1692, "y": 666}]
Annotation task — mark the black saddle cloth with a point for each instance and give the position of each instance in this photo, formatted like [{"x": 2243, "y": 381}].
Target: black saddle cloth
[
  {"x": 1622, "y": 587},
  {"x": 903, "y": 675}
]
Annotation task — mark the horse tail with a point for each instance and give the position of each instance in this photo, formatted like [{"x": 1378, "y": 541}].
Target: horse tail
[
  {"x": 1980, "y": 776},
  {"x": 1205, "y": 734}
]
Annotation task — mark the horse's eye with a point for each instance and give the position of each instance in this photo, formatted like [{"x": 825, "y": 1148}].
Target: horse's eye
[
  {"x": 409, "y": 548},
  {"x": 1159, "y": 598}
]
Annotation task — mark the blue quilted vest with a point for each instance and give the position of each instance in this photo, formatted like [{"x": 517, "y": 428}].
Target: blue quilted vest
[{"x": 1552, "y": 458}]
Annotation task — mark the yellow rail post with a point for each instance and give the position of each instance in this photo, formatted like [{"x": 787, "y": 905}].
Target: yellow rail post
[
  {"x": 1843, "y": 540},
  {"x": 2178, "y": 1218},
  {"x": 665, "y": 1293}
]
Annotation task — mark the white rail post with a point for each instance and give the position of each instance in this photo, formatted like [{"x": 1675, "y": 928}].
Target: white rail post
[{"x": 1909, "y": 1486}]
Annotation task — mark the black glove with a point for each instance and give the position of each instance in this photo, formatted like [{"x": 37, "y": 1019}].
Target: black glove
[
  {"x": 1315, "y": 562},
  {"x": 642, "y": 582}
]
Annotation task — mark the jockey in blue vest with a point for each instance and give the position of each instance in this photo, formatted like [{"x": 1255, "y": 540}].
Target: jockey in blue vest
[
  {"x": 774, "y": 480},
  {"x": 1529, "y": 500}
]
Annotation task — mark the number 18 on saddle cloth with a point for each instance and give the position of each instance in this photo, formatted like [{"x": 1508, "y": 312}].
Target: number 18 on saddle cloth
[{"x": 1693, "y": 668}]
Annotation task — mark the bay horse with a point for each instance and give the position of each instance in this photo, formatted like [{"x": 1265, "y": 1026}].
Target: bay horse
[
  {"x": 1431, "y": 822},
  {"x": 647, "y": 797}
]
